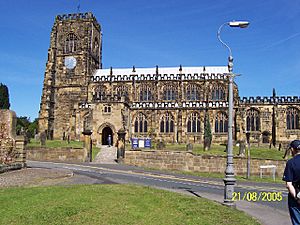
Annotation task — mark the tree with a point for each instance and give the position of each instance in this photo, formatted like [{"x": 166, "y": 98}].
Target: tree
[
  {"x": 25, "y": 127},
  {"x": 4, "y": 97},
  {"x": 207, "y": 132}
]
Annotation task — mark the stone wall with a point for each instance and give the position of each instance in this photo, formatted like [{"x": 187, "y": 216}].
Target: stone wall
[
  {"x": 187, "y": 161},
  {"x": 11, "y": 146},
  {"x": 56, "y": 154}
]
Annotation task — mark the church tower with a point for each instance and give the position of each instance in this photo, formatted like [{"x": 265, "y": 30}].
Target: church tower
[{"x": 75, "y": 53}]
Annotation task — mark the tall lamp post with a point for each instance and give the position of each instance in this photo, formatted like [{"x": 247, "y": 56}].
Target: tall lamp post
[{"x": 229, "y": 179}]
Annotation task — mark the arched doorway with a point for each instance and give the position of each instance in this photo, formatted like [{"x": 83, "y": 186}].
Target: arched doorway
[{"x": 105, "y": 132}]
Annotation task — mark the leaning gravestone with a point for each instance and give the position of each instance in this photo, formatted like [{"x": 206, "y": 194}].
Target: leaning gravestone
[{"x": 11, "y": 146}]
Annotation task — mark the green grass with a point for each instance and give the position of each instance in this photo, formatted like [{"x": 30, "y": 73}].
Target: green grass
[
  {"x": 111, "y": 205},
  {"x": 56, "y": 144},
  {"x": 95, "y": 151},
  {"x": 63, "y": 144},
  {"x": 265, "y": 179},
  {"x": 256, "y": 152}
]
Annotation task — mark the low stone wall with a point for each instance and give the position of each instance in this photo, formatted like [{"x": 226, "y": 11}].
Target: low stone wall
[
  {"x": 56, "y": 154},
  {"x": 187, "y": 161}
]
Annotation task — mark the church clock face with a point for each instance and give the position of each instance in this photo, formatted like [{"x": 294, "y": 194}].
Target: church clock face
[{"x": 70, "y": 62}]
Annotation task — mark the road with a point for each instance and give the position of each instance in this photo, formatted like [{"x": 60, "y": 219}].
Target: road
[{"x": 256, "y": 199}]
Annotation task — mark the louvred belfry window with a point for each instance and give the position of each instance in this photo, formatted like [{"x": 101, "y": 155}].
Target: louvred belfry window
[{"x": 71, "y": 43}]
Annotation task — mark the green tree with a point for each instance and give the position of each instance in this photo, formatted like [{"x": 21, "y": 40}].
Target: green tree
[
  {"x": 207, "y": 132},
  {"x": 4, "y": 97}
]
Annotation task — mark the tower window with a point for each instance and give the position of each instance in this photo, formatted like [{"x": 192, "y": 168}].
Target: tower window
[{"x": 71, "y": 43}]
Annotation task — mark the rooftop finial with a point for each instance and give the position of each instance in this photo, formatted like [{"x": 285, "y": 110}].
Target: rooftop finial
[
  {"x": 156, "y": 69},
  {"x": 133, "y": 69},
  {"x": 180, "y": 68},
  {"x": 78, "y": 6}
]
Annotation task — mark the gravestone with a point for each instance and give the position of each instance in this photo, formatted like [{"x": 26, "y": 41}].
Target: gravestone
[
  {"x": 43, "y": 137},
  {"x": 189, "y": 147},
  {"x": 11, "y": 145}
]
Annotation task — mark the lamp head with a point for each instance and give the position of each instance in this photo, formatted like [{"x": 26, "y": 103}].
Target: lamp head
[{"x": 241, "y": 24}]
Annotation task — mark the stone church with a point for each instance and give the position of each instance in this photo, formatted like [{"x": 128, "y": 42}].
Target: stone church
[{"x": 164, "y": 103}]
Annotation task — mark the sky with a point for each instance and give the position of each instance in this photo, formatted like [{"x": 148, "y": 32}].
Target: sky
[{"x": 146, "y": 33}]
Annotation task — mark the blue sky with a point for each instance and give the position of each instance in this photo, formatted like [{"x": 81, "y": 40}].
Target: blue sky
[{"x": 146, "y": 33}]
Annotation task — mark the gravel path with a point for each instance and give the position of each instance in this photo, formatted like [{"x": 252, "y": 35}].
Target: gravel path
[{"x": 34, "y": 177}]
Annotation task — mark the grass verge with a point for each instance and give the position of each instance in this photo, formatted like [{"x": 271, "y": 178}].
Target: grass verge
[
  {"x": 63, "y": 144},
  {"x": 111, "y": 205}
]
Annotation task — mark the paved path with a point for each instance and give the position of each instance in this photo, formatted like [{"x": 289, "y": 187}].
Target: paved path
[
  {"x": 107, "y": 155},
  {"x": 267, "y": 213}
]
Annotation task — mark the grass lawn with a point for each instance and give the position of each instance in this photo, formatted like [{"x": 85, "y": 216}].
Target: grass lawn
[
  {"x": 63, "y": 144},
  {"x": 111, "y": 205},
  {"x": 256, "y": 152},
  {"x": 56, "y": 144}
]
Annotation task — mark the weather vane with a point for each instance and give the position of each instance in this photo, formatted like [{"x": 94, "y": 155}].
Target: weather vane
[{"x": 78, "y": 7}]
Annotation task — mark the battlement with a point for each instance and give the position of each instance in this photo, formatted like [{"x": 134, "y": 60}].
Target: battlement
[
  {"x": 269, "y": 100},
  {"x": 75, "y": 16}
]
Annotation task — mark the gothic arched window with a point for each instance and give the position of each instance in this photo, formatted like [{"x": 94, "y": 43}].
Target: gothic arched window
[
  {"x": 253, "y": 120},
  {"x": 140, "y": 124},
  {"x": 96, "y": 49},
  {"x": 218, "y": 93},
  {"x": 292, "y": 119},
  {"x": 193, "y": 123},
  {"x": 167, "y": 123},
  {"x": 170, "y": 92},
  {"x": 99, "y": 92},
  {"x": 221, "y": 123},
  {"x": 121, "y": 90},
  {"x": 192, "y": 92},
  {"x": 145, "y": 93},
  {"x": 71, "y": 43}
]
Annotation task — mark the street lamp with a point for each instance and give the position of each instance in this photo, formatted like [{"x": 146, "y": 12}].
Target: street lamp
[{"x": 229, "y": 179}]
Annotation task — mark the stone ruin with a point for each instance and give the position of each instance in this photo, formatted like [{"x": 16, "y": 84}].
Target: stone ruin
[{"x": 12, "y": 155}]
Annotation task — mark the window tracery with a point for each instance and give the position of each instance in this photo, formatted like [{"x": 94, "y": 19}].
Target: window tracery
[
  {"x": 221, "y": 123},
  {"x": 193, "y": 123},
  {"x": 140, "y": 124},
  {"x": 71, "y": 43},
  {"x": 253, "y": 120},
  {"x": 292, "y": 119},
  {"x": 167, "y": 123}
]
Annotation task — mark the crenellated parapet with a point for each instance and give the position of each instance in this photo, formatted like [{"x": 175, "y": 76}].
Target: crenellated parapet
[
  {"x": 270, "y": 100},
  {"x": 160, "y": 74},
  {"x": 176, "y": 105},
  {"x": 77, "y": 16}
]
